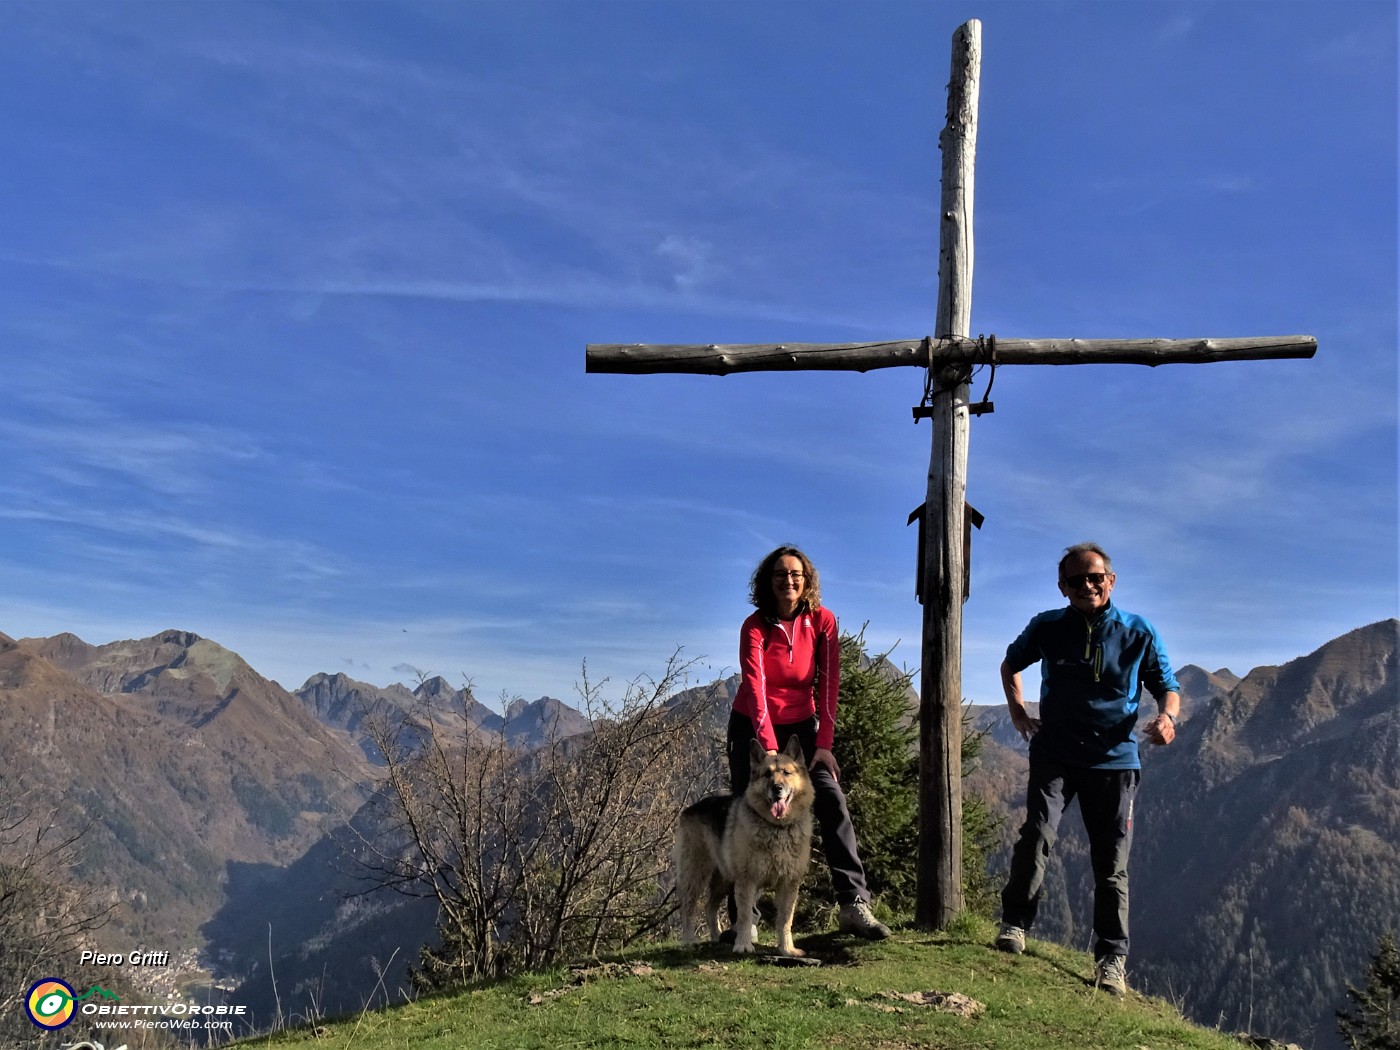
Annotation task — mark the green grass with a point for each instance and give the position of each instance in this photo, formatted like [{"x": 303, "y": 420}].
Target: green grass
[{"x": 665, "y": 996}]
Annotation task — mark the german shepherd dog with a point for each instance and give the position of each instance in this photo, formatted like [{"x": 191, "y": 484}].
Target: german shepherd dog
[{"x": 751, "y": 842}]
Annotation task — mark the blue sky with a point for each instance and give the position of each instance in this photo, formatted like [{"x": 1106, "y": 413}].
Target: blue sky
[{"x": 294, "y": 300}]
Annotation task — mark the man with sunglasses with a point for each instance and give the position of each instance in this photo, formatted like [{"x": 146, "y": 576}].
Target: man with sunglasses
[{"x": 1094, "y": 659}]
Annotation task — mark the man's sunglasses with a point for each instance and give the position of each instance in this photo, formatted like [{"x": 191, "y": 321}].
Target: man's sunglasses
[{"x": 1082, "y": 578}]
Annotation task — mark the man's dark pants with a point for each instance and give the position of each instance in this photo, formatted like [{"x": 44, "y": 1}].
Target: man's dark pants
[{"x": 1106, "y": 805}]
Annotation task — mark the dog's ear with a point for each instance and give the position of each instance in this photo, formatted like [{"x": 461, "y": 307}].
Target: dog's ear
[
  {"x": 794, "y": 750},
  {"x": 757, "y": 752}
]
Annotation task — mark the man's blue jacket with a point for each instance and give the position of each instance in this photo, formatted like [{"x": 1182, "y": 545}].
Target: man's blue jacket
[{"x": 1091, "y": 671}]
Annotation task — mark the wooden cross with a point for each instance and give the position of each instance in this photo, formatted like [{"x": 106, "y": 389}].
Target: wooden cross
[{"x": 950, "y": 357}]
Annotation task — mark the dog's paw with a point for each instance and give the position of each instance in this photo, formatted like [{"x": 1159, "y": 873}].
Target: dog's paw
[
  {"x": 792, "y": 953},
  {"x": 743, "y": 949}
]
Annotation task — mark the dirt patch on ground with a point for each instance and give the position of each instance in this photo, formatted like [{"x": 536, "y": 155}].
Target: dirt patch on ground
[{"x": 944, "y": 1002}]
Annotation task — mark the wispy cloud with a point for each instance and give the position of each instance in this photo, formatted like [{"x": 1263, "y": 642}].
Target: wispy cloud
[
  {"x": 160, "y": 459},
  {"x": 1355, "y": 50},
  {"x": 1176, "y": 29},
  {"x": 422, "y": 177},
  {"x": 691, "y": 258}
]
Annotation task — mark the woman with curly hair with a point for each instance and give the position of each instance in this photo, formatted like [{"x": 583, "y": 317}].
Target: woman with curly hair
[{"x": 790, "y": 660}]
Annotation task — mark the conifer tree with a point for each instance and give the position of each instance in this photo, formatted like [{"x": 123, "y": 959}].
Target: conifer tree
[{"x": 1374, "y": 1022}]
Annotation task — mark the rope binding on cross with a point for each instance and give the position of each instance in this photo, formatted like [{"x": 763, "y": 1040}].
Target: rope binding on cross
[{"x": 984, "y": 355}]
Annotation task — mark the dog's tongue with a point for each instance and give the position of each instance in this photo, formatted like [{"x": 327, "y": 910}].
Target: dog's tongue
[{"x": 779, "y": 809}]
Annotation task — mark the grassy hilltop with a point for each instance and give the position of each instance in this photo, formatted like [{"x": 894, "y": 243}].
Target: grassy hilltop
[{"x": 666, "y": 997}]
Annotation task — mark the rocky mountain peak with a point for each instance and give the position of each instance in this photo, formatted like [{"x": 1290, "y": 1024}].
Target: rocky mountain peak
[
  {"x": 181, "y": 639},
  {"x": 531, "y": 723},
  {"x": 435, "y": 688},
  {"x": 1201, "y": 688},
  {"x": 1350, "y": 678}
]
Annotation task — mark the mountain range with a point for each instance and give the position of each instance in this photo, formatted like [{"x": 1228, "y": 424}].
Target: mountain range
[
  {"x": 178, "y": 758},
  {"x": 186, "y": 766},
  {"x": 221, "y": 812}
]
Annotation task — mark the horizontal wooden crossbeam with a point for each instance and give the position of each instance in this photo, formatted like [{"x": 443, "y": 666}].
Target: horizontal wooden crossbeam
[{"x": 723, "y": 359}]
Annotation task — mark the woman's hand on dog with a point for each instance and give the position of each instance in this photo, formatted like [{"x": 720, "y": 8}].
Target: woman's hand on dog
[{"x": 823, "y": 757}]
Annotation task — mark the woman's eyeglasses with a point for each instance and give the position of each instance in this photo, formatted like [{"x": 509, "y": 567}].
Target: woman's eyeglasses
[{"x": 779, "y": 574}]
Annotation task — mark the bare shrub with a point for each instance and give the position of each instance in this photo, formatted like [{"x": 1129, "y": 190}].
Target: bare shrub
[
  {"x": 538, "y": 855},
  {"x": 45, "y": 914}
]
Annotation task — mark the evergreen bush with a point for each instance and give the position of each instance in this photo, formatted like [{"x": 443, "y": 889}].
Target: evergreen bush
[{"x": 1374, "y": 1023}]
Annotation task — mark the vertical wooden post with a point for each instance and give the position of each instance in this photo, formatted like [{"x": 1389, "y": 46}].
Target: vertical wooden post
[{"x": 939, "y": 892}]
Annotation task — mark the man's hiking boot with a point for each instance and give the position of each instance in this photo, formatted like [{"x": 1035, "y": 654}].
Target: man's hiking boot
[
  {"x": 1011, "y": 939},
  {"x": 857, "y": 918},
  {"x": 1110, "y": 974}
]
